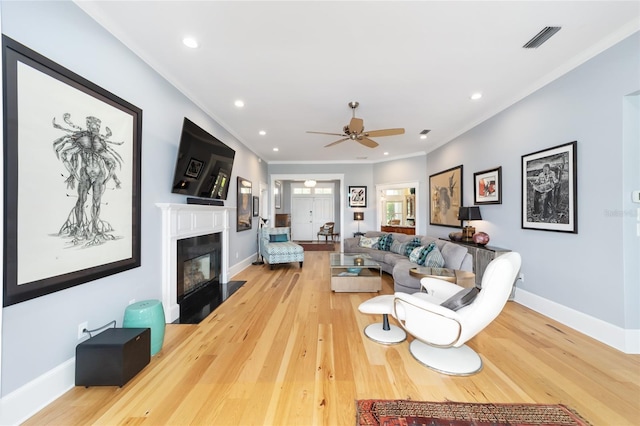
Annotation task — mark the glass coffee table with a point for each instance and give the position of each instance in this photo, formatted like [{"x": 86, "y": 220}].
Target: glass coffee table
[
  {"x": 462, "y": 278},
  {"x": 354, "y": 272}
]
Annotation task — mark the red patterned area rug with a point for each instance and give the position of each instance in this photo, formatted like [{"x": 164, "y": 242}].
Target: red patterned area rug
[{"x": 380, "y": 412}]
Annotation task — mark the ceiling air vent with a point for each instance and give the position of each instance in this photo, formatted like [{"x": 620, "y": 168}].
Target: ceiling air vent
[{"x": 541, "y": 37}]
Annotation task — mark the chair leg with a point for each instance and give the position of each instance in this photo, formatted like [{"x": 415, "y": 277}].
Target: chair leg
[
  {"x": 385, "y": 333},
  {"x": 301, "y": 264}
]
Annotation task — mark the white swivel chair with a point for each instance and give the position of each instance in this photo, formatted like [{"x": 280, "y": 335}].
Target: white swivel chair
[{"x": 441, "y": 333}]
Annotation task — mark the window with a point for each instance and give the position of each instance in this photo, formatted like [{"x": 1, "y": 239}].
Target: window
[{"x": 393, "y": 211}]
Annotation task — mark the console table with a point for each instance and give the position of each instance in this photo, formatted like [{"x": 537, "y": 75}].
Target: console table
[{"x": 481, "y": 255}]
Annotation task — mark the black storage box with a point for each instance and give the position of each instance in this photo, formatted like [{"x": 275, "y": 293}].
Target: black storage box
[{"x": 112, "y": 357}]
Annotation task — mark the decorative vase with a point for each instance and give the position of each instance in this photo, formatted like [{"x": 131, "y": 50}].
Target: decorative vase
[
  {"x": 455, "y": 236},
  {"x": 481, "y": 238}
]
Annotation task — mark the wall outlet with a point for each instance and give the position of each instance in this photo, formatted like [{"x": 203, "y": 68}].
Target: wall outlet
[
  {"x": 521, "y": 277},
  {"x": 81, "y": 329},
  {"x": 635, "y": 196}
]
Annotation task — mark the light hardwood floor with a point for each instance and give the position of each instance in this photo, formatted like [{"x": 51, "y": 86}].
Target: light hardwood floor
[{"x": 285, "y": 350}]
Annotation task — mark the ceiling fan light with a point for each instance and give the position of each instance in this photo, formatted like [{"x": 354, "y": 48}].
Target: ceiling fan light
[{"x": 310, "y": 183}]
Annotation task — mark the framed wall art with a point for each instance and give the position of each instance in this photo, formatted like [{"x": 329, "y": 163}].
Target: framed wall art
[
  {"x": 488, "y": 186},
  {"x": 277, "y": 194},
  {"x": 72, "y": 148},
  {"x": 445, "y": 197},
  {"x": 357, "y": 196},
  {"x": 244, "y": 204},
  {"x": 194, "y": 168},
  {"x": 550, "y": 189}
]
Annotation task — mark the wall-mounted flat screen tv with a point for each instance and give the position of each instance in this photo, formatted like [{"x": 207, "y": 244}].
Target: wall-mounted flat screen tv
[{"x": 204, "y": 164}]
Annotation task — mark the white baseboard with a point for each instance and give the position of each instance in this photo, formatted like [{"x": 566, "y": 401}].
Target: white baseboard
[
  {"x": 26, "y": 401},
  {"x": 625, "y": 340},
  {"x": 241, "y": 266}
]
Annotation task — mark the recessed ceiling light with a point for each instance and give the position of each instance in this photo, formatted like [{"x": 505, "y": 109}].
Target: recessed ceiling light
[
  {"x": 276, "y": 149},
  {"x": 262, "y": 133},
  {"x": 476, "y": 96},
  {"x": 239, "y": 103},
  {"x": 190, "y": 42},
  {"x": 423, "y": 136},
  {"x": 386, "y": 153}
]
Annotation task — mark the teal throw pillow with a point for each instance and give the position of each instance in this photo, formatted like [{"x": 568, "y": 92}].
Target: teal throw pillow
[
  {"x": 415, "y": 242},
  {"x": 385, "y": 241},
  {"x": 278, "y": 238},
  {"x": 415, "y": 254},
  {"x": 425, "y": 252},
  {"x": 434, "y": 259}
]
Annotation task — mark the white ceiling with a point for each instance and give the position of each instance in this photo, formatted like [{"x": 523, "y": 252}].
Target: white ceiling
[{"x": 297, "y": 64}]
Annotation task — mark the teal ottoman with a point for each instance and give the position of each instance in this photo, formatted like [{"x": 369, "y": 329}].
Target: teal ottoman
[{"x": 147, "y": 314}]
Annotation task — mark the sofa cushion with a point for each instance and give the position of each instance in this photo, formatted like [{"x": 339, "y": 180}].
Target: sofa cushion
[
  {"x": 367, "y": 242},
  {"x": 434, "y": 258},
  {"x": 397, "y": 247},
  {"x": 278, "y": 238},
  {"x": 411, "y": 244},
  {"x": 454, "y": 255},
  {"x": 385, "y": 241}
]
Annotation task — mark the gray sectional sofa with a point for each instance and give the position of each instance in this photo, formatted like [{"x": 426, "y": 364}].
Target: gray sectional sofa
[{"x": 455, "y": 257}]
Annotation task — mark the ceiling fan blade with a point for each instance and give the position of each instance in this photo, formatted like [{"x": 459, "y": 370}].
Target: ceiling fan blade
[
  {"x": 336, "y": 142},
  {"x": 367, "y": 142},
  {"x": 356, "y": 125},
  {"x": 385, "y": 132},
  {"x": 325, "y": 133}
]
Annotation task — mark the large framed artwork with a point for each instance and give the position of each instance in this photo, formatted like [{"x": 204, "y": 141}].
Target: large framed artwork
[
  {"x": 357, "y": 196},
  {"x": 244, "y": 204},
  {"x": 445, "y": 197},
  {"x": 550, "y": 189},
  {"x": 488, "y": 186},
  {"x": 72, "y": 178}
]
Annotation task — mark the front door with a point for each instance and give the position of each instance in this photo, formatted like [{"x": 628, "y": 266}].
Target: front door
[{"x": 301, "y": 218}]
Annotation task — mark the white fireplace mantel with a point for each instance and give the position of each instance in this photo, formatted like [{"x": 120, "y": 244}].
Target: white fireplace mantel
[{"x": 180, "y": 221}]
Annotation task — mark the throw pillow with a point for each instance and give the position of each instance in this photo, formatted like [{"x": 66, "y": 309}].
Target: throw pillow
[
  {"x": 368, "y": 242},
  {"x": 415, "y": 242},
  {"x": 461, "y": 299},
  {"x": 415, "y": 254},
  {"x": 385, "y": 241},
  {"x": 425, "y": 252},
  {"x": 278, "y": 238},
  {"x": 434, "y": 259},
  {"x": 398, "y": 248}
]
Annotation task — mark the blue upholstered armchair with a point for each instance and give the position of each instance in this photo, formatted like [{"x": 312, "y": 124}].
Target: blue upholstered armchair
[{"x": 276, "y": 246}]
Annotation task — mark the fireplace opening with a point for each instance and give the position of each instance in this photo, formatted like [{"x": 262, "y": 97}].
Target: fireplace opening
[{"x": 199, "y": 268}]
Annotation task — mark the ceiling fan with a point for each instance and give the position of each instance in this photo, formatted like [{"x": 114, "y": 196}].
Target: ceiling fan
[{"x": 355, "y": 131}]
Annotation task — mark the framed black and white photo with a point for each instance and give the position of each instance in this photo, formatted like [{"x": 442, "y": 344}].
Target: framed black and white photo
[
  {"x": 194, "y": 168},
  {"x": 244, "y": 203},
  {"x": 357, "y": 196},
  {"x": 488, "y": 186},
  {"x": 73, "y": 149},
  {"x": 445, "y": 197},
  {"x": 549, "y": 189},
  {"x": 256, "y": 206}
]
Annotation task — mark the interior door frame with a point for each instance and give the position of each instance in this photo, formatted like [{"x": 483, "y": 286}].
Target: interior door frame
[
  {"x": 304, "y": 176},
  {"x": 401, "y": 185}
]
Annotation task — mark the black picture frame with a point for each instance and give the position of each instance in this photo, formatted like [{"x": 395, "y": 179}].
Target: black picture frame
[
  {"x": 244, "y": 205},
  {"x": 357, "y": 196},
  {"x": 194, "y": 167},
  {"x": 549, "y": 198},
  {"x": 445, "y": 197},
  {"x": 49, "y": 113},
  {"x": 256, "y": 206},
  {"x": 488, "y": 186}
]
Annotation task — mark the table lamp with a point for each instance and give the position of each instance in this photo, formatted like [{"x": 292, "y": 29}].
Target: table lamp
[
  {"x": 358, "y": 217},
  {"x": 469, "y": 214}
]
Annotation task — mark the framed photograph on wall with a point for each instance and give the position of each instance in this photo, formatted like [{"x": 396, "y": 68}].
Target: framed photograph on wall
[
  {"x": 277, "y": 194},
  {"x": 550, "y": 189},
  {"x": 244, "y": 205},
  {"x": 256, "y": 206},
  {"x": 357, "y": 196},
  {"x": 488, "y": 186},
  {"x": 445, "y": 197},
  {"x": 91, "y": 191}
]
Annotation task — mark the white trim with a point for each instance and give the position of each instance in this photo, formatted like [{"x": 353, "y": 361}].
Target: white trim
[
  {"x": 384, "y": 186},
  {"x": 27, "y": 400},
  {"x": 625, "y": 340}
]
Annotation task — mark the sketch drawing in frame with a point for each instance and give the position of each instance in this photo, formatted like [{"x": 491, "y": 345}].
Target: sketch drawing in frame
[
  {"x": 277, "y": 194},
  {"x": 83, "y": 149},
  {"x": 244, "y": 204},
  {"x": 488, "y": 186},
  {"x": 445, "y": 197},
  {"x": 549, "y": 189},
  {"x": 357, "y": 196}
]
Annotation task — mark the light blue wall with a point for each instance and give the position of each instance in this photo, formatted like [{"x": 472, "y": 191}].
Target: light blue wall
[
  {"x": 583, "y": 271},
  {"x": 41, "y": 334}
]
